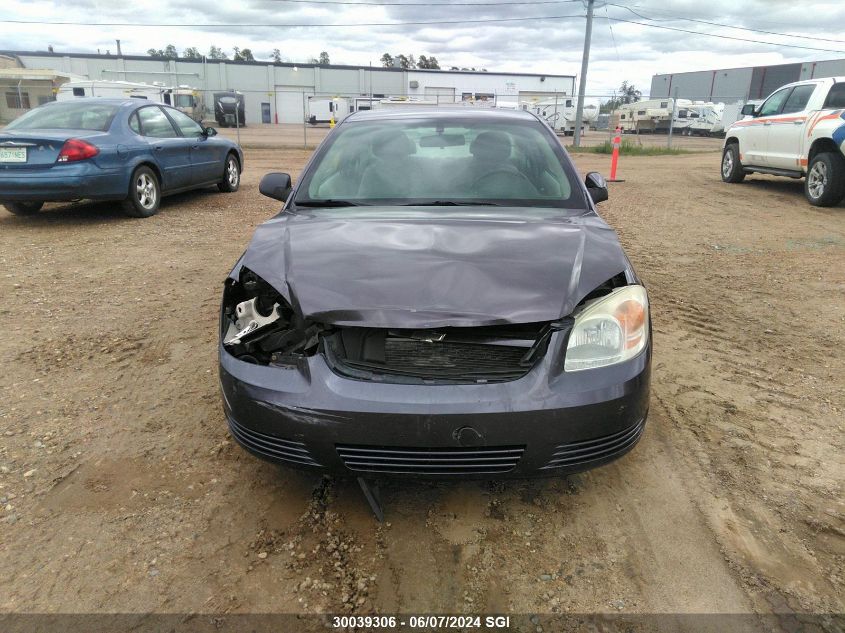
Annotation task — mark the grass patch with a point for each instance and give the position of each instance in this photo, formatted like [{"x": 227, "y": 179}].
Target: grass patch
[{"x": 629, "y": 148}]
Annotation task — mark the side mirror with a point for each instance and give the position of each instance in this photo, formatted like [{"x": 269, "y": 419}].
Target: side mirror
[
  {"x": 749, "y": 109},
  {"x": 210, "y": 131},
  {"x": 275, "y": 185},
  {"x": 597, "y": 186}
]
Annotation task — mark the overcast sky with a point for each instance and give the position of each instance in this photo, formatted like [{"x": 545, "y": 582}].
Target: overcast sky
[{"x": 552, "y": 45}]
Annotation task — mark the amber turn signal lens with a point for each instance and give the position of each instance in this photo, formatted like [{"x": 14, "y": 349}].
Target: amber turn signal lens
[{"x": 631, "y": 316}]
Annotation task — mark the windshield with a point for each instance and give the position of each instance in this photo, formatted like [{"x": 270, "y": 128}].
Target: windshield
[
  {"x": 96, "y": 117},
  {"x": 184, "y": 101},
  {"x": 443, "y": 162}
]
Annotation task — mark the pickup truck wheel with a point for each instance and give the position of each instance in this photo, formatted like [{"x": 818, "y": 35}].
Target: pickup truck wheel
[
  {"x": 23, "y": 208},
  {"x": 731, "y": 165},
  {"x": 824, "y": 185}
]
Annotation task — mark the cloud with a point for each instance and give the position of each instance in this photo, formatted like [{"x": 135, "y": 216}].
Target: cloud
[{"x": 620, "y": 51}]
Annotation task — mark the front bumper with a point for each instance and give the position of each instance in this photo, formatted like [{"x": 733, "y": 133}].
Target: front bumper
[
  {"x": 62, "y": 183},
  {"x": 546, "y": 423}
]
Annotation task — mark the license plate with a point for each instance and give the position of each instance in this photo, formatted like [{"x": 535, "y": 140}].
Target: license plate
[{"x": 12, "y": 154}]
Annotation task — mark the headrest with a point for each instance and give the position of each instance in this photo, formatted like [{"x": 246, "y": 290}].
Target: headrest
[
  {"x": 493, "y": 146},
  {"x": 392, "y": 145}
]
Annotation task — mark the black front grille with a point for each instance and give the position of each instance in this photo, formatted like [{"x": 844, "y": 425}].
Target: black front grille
[
  {"x": 271, "y": 446},
  {"x": 578, "y": 453},
  {"x": 430, "y": 461}
]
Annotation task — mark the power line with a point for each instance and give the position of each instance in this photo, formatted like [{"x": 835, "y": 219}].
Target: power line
[
  {"x": 727, "y": 37},
  {"x": 289, "y": 25},
  {"x": 429, "y": 4},
  {"x": 728, "y": 26}
]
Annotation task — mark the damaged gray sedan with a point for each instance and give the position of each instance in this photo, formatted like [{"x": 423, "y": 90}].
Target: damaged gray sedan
[{"x": 437, "y": 298}]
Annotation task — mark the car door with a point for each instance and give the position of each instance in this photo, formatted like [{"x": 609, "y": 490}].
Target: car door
[
  {"x": 786, "y": 132},
  {"x": 756, "y": 135},
  {"x": 207, "y": 156},
  {"x": 171, "y": 151}
]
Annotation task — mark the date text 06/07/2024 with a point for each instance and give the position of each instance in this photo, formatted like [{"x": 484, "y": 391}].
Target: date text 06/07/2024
[{"x": 421, "y": 621}]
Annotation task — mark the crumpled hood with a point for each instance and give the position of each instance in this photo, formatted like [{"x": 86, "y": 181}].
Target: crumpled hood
[{"x": 426, "y": 267}]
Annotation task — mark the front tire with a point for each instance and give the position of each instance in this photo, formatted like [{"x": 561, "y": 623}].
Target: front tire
[
  {"x": 231, "y": 175},
  {"x": 144, "y": 194},
  {"x": 23, "y": 208},
  {"x": 731, "y": 165},
  {"x": 824, "y": 185}
]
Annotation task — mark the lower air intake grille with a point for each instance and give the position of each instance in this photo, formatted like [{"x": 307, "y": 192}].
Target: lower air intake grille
[
  {"x": 430, "y": 461},
  {"x": 578, "y": 453},
  {"x": 271, "y": 446}
]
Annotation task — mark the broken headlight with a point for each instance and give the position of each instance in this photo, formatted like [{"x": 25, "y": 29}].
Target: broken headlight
[
  {"x": 611, "y": 330},
  {"x": 259, "y": 326}
]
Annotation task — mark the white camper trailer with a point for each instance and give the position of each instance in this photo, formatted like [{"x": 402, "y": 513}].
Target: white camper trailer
[
  {"x": 324, "y": 109},
  {"x": 560, "y": 113},
  {"x": 112, "y": 90},
  {"x": 653, "y": 115}
]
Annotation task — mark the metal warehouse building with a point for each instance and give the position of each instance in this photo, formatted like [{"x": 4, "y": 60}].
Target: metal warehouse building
[
  {"x": 279, "y": 91},
  {"x": 740, "y": 84}
]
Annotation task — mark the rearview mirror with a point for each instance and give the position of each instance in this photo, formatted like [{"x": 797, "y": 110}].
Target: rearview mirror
[
  {"x": 749, "y": 109},
  {"x": 276, "y": 185},
  {"x": 597, "y": 186},
  {"x": 210, "y": 131}
]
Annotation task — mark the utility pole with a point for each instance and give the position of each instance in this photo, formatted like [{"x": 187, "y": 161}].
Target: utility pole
[{"x": 585, "y": 60}]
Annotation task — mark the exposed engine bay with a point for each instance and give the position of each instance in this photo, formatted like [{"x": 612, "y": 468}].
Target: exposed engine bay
[{"x": 259, "y": 326}]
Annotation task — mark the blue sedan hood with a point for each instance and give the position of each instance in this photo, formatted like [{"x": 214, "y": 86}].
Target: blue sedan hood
[{"x": 426, "y": 267}]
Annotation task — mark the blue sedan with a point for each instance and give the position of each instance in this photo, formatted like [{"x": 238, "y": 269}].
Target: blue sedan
[{"x": 110, "y": 149}]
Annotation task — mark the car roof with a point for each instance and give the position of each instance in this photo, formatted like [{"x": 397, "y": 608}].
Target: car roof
[{"x": 454, "y": 112}]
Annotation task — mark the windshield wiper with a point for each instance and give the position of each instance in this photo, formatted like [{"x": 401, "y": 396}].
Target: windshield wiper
[
  {"x": 328, "y": 203},
  {"x": 452, "y": 203}
]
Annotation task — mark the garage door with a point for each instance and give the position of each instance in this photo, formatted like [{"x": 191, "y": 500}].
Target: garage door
[
  {"x": 441, "y": 95},
  {"x": 289, "y": 107}
]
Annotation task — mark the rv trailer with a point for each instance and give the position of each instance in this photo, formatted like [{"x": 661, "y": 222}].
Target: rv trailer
[{"x": 229, "y": 109}]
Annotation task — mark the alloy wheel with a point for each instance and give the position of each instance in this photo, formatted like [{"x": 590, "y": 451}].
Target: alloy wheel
[
  {"x": 727, "y": 164},
  {"x": 817, "y": 180},
  {"x": 232, "y": 174},
  {"x": 145, "y": 189}
]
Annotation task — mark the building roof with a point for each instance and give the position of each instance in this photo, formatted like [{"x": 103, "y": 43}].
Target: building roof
[
  {"x": 272, "y": 63},
  {"x": 34, "y": 74}
]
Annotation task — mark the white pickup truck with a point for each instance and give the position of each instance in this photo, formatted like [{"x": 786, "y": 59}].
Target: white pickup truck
[{"x": 798, "y": 132}]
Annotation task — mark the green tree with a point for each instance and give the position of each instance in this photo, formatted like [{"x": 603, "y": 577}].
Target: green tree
[
  {"x": 324, "y": 59},
  {"x": 215, "y": 52},
  {"x": 155, "y": 52},
  {"x": 192, "y": 52},
  {"x": 433, "y": 64},
  {"x": 422, "y": 62},
  {"x": 387, "y": 60},
  {"x": 243, "y": 55},
  {"x": 628, "y": 93},
  {"x": 170, "y": 51},
  {"x": 277, "y": 55},
  {"x": 404, "y": 62}
]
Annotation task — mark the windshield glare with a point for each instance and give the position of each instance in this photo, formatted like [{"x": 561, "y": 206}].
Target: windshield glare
[
  {"x": 96, "y": 117},
  {"x": 512, "y": 163}
]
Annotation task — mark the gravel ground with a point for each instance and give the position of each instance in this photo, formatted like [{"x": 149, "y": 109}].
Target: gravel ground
[{"x": 122, "y": 491}]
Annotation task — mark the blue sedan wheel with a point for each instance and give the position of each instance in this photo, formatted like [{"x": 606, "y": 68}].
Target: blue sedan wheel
[
  {"x": 231, "y": 175},
  {"x": 144, "y": 194}
]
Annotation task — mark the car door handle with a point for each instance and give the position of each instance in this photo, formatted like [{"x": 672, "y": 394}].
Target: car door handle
[
  {"x": 195, "y": 146},
  {"x": 159, "y": 148},
  {"x": 767, "y": 123},
  {"x": 798, "y": 122}
]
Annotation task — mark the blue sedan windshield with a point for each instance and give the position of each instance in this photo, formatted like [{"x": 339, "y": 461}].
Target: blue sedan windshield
[{"x": 96, "y": 117}]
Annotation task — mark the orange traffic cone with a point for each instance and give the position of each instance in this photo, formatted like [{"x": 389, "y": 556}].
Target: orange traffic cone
[{"x": 614, "y": 160}]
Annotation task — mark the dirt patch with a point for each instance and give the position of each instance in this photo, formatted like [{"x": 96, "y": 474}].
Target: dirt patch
[{"x": 120, "y": 485}]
